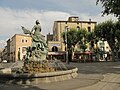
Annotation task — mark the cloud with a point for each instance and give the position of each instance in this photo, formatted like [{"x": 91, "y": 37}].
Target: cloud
[
  {"x": 98, "y": 18},
  {"x": 81, "y": 6},
  {"x": 11, "y": 20},
  {"x": 2, "y": 43}
]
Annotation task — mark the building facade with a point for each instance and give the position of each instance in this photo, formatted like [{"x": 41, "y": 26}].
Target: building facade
[
  {"x": 1, "y": 54},
  {"x": 18, "y": 44},
  {"x": 4, "y": 54},
  {"x": 72, "y": 22}
]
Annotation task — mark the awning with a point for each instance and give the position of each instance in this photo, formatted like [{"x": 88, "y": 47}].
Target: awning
[
  {"x": 88, "y": 52},
  {"x": 56, "y": 53}
]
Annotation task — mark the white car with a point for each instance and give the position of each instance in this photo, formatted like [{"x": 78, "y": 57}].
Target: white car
[{"x": 4, "y": 61}]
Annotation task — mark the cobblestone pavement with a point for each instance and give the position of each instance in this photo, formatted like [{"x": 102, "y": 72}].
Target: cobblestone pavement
[{"x": 91, "y": 76}]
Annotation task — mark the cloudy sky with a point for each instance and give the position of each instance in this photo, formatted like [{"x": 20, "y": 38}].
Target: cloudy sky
[{"x": 17, "y": 13}]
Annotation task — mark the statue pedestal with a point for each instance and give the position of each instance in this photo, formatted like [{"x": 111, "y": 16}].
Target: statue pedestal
[{"x": 37, "y": 67}]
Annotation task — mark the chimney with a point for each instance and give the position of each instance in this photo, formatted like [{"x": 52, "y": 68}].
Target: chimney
[
  {"x": 73, "y": 18},
  {"x": 90, "y": 20}
]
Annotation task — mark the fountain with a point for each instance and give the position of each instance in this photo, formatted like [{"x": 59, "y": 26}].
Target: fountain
[{"x": 36, "y": 68}]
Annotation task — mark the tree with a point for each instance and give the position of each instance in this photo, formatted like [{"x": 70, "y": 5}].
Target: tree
[
  {"x": 92, "y": 40},
  {"x": 70, "y": 39},
  {"x": 110, "y": 7},
  {"x": 117, "y": 27},
  {"x": 82, "y": 34},
  {"x": 73, "y": 37},
  {"x": 117, "y": 35},
  {"x": 108, "y": 31}
]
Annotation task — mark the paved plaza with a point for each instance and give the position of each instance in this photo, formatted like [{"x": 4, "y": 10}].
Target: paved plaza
[{"x": 91, "y": 76}]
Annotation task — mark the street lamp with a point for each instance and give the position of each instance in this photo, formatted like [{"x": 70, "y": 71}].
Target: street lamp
[
  {"x": 103, "y": 44},
  {"x": 66, "y": 30}
]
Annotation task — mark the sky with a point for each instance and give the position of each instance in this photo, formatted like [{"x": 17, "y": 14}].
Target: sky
[{"x": 17, "y": 13}]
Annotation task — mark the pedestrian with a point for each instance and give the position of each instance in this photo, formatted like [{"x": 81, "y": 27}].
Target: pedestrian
[
  {"x": 105, "y": 55},
  {"x": 80, "y": 58}
]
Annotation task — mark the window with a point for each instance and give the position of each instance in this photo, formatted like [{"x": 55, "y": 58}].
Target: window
[
  {"x": 54, "y": 49},
  {"x": 23, "y": 49},
  {"x": 89, "y": 29},
  {"x": 101, "y": 43},
  {"x": 22, "y": 40},
  {"x": 78, "y": 28}
]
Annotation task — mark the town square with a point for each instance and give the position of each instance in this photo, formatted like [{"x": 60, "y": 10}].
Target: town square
[{"x": 55, "y": 45}]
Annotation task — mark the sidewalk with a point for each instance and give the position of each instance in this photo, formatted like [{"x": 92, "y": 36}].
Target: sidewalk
[{"x": 110, "y": 82}]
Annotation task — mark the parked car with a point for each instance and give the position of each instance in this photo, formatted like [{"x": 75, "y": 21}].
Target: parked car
[{"x": 4, "y": 61}]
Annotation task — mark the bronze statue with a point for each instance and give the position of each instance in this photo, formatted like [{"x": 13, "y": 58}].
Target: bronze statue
[{"x": 38, "y": 50}]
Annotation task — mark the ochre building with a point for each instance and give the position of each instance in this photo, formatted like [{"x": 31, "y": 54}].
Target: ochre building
[
  {"x": 18, "y": 43},
  {"x": 59, "y": 27}
]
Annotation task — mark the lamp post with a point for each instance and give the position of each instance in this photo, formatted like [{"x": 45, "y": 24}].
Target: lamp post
[
  {"x": 103, "y": 48},
  {"x": 66, "y": 30}
]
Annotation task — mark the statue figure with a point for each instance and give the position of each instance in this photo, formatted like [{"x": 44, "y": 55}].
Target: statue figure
[
  {"x": 19, "y": 54},
  {"x": 38, "y": 50}
]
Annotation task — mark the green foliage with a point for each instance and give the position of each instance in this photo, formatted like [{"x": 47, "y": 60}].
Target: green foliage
[
  {"x": 63, "y": 36},
  {"x": 110, "y": 7},
  {"x": 105, "y": 30},
  {"x": 110, "y": 31},
  {"x": 90, "y": 36},
  {"x": 117, "y": 34},
  {"x": 73, "y": 37},
  {"x": 81, "y": 33},
  {"x": 117, "y": 28},
  {"x": 83, "y": 46}
]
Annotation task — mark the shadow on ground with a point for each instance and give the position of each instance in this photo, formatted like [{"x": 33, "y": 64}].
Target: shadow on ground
[
  {"x": 97, "y": 67},
  {"x": 18, "y": 87}
]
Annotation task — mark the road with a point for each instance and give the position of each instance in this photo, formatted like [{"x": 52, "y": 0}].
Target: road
[{"x": 91, "y": 76}]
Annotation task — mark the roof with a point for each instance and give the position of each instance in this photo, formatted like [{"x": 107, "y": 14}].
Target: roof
[
  {"x": 78, "y": 21},
  {"x": 18, "y": 35},
  {"x": 56, "y": 53}
]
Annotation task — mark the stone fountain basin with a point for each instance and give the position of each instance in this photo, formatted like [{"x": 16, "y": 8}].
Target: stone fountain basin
[{"x": 26, "y": 78}]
